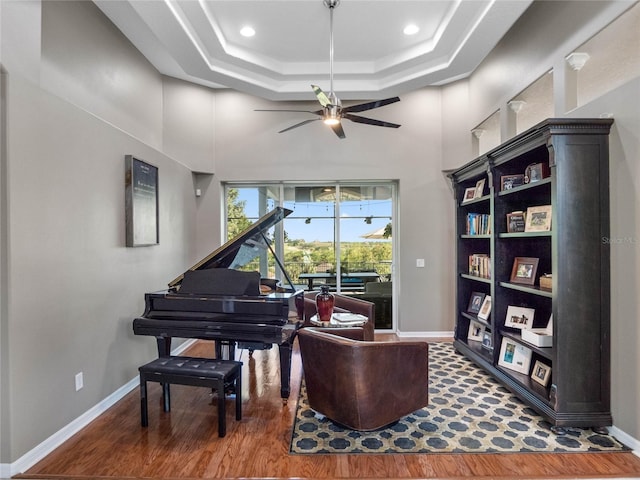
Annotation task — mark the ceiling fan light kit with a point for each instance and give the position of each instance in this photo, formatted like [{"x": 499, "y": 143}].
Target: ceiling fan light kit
[{"x": 332, "y": 111}]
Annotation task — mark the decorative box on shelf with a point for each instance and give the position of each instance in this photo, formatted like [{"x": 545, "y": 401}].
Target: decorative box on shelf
[
  {"x": 538, "y": 337},
  {"x": 546, "y": 281}
]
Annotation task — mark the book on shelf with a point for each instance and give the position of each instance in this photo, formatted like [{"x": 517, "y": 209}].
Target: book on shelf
[
  {"x": 480, "y": 265},
  {"x": 478, "y": 224}
]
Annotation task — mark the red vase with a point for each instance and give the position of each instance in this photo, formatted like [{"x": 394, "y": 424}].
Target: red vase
[{"x": 324, "y": 304}]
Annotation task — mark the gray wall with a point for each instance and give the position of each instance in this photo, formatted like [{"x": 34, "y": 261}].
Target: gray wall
[
  {"x": 249, "y": 148},
  {"x": 69, "y": 288},
  {"x": 624, "y": 146}
]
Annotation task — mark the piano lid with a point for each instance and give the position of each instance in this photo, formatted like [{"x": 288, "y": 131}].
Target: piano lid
[{"x": 242, "y": 249}]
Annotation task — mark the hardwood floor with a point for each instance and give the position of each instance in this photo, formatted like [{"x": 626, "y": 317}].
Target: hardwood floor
[{"x": 184, "y": 443}]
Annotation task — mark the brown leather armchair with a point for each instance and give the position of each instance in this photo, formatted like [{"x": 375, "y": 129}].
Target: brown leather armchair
[
  {"x": 363, "y": 385},
  {"x": 343, "y": 303}
]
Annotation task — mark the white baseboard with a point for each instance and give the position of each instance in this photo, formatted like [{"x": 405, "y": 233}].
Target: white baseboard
[
  {"x": 628, "y": 440},
  {"x": 54, "y": 441},
  {"x": 424, "y": 334}
]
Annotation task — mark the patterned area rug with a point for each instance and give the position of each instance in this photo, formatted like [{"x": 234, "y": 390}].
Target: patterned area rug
[{"x": 468, "y": 412}]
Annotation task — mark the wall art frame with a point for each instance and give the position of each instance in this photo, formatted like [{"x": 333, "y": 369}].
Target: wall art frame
[{"x": 141, "y": 203}]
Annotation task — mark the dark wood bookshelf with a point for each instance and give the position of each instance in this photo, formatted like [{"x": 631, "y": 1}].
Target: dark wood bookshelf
[{"x": 575, "y": 152}]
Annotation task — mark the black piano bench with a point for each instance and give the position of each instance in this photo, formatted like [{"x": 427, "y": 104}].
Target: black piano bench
[{"x": 200, "y": 372}]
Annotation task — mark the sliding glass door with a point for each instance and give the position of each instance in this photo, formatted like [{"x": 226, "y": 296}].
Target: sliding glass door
[{"x": 338, "y": 235}]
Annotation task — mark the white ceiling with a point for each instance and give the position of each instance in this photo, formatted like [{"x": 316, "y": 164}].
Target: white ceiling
[{"x": 199, "y": 41}]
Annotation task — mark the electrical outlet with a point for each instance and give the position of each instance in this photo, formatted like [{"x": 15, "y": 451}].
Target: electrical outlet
[{"x": 79, "y": 381}]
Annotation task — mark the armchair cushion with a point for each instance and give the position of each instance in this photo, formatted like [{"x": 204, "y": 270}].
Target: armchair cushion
[{"x": 363, "y": 385}]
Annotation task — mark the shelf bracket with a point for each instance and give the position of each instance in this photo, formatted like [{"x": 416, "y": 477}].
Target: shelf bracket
[{"x": 552, "y": 154}]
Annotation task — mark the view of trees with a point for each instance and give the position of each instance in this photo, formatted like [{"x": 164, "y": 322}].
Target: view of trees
[
  {"x": 301, "y": 256},
  {"x": 237, "y": 221}
]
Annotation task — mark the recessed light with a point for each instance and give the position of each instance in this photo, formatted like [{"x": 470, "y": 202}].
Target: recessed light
[
  {"x": 247, "y": 31},
  {"x": 411, "y": 29}
]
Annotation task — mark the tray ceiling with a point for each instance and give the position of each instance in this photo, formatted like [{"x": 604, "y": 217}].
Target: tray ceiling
[{"x": 200, "y": 41}]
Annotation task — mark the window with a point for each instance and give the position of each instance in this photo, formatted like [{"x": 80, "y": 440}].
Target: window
[{"x": 338, "y": 234}]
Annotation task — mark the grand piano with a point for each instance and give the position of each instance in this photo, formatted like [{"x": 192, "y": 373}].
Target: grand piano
[{"x": 215, "y": 300}]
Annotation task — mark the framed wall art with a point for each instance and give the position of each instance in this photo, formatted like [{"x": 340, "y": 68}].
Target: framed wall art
[{"x": 141, "y": 203}]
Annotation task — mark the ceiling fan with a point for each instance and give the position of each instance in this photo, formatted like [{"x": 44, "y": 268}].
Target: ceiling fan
[{"x": 332, "y": 111}]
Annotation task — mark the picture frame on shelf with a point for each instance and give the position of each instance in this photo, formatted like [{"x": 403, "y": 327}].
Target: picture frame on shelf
[
  {"x": 541, "y": 373},
  {"x": 487, "y": 342},
  {"x": 536, "y": 172},
  {"x": 507, "y": 182},
  {"x": 515, "y": 222},
  {"x": 519, "y": 317},
  {"x": 524, "y": 270},
  {"x": 479, "y": 189},
  {"x": 469, "y": 194},
  {"x": 476, "y": 331},
  {"x": 514, "y": 356},
  {"x": 485, "y": 309},
  {"x": 538, "y": 219},
  {"x": 475, "y": 302}
]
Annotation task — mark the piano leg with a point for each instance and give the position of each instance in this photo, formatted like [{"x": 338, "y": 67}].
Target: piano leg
[
  {"x": 164, "y": 346},
  {"x": 225, "y": 350},
  {"x": 286, "y": 349}
]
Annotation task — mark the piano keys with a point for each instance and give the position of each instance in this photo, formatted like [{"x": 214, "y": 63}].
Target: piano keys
[{"x": 214, "y": 300}]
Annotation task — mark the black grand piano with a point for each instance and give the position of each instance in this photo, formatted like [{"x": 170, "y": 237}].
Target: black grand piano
[{"x": 214, "y": 300}]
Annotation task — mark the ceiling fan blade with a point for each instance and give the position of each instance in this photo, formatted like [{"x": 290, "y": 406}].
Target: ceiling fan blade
[
  {"x": 321, "y": 96},
  {"x": 315, "y": 112},
  {"x": 299, "y": 125},
  {"x": 369, "y": 121},
  {"x": 371, "y": 105},
  {"x": 337, "y": 128}
]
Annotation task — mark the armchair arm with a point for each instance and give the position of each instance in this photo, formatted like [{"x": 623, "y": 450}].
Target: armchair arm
[{"x": 344, "y": 303}]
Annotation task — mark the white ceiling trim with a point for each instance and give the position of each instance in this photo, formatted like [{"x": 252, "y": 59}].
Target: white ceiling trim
[{"x": 187, "y": 39}]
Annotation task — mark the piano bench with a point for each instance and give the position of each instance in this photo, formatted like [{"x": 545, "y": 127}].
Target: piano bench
[{"x": 201, "y": 372}]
